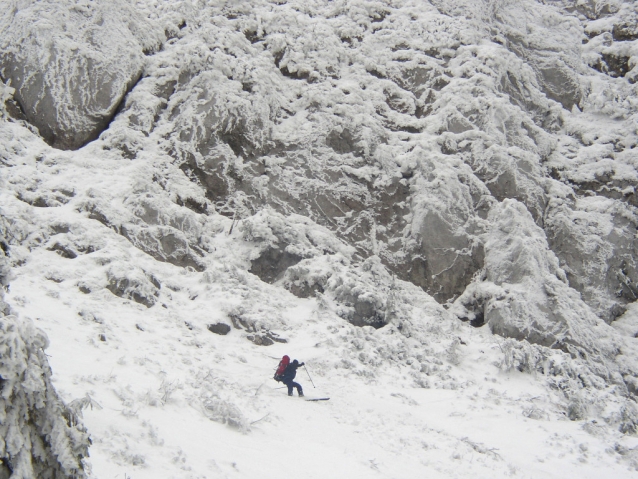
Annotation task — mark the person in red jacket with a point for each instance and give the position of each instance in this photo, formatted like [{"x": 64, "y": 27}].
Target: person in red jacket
[{"x": 289, "y": 375}]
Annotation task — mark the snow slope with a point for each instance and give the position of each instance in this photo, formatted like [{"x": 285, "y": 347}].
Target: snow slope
[
  {"x": 309, "y": 177},
  {"x": 165, "y": 392},
  {"x": 169, "y": 398}
]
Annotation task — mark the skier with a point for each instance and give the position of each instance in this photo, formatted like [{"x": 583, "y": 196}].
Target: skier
[{"x": 289, "y": 375}]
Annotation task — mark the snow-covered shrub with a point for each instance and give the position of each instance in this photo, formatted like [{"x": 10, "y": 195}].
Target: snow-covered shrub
[
  {"x": 576, "y": 409},
  {"x": 629, "y": 455},
  {"x": 522, "y": 356},
  {"x": 40, "y": 436},
  {"x": 224, "y": 412}
]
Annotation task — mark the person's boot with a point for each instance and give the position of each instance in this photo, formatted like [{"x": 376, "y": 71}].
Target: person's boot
[
  {"x": 289, "y": 394},
  {"x": 300, "y": 394}
]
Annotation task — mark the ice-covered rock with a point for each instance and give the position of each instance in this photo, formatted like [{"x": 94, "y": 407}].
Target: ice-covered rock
[
  {"x": 132, "y": 283},
  {"x": 598, "y": 246},
  {"x": 398, "y": 165},
  {"x": 285, "y": 241},
  {"x": 385, "y": 154},
  {"x": 5, "y": 267},
  {"x": 72, "y": 62},
  {"x": 526, "y": 294}
]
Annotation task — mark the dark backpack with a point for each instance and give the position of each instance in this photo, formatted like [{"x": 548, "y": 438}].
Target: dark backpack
[{"x": 283, "y": 364}]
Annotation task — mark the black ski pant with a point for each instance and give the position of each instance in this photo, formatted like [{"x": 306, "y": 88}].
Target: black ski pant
[{"x": 291, "y": 384}]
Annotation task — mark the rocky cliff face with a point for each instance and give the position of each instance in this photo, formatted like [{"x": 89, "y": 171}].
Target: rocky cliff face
[
  {"x": 485, "y": 152},
  {"x": 401, "y": 140}
]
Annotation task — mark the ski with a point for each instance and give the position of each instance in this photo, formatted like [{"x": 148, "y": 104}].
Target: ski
[{"x": 317, "y": 399}]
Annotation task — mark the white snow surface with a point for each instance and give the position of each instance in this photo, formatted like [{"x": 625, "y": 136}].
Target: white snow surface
[
  {"x": 424, "y": 396},
  {"x": 168, "y": 398}
]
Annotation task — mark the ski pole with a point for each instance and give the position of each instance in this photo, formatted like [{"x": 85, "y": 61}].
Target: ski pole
[{"x": 313, "y": 384}]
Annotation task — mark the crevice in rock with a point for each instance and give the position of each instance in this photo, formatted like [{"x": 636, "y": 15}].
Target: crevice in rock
[
  {"x": 294, "y": 75},
  {"x": 6, "y": 470},
  {"x": 273, "y": 263},
  {"x": 105, "y": 125},
  {"x": 63, "y": 251},
  {"x": 193, "y": 205},
  {"x": 613, "y": 65},
  {"x": 278, "y": 56},
  {"x": 377, "y": 74}
]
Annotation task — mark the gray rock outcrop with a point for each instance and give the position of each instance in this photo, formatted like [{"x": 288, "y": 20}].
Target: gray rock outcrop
[
  {"x": 596, "y": 243},
  {"x": 404, "y": 157},
  {"x": 525, "y": 293},
  {"x": 132, "y": 283},
  {"x": 72, "y": 62}
]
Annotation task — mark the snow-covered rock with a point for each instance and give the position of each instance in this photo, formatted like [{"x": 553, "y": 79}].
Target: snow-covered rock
[
  {"x": 72, "y": 62},
  {"x": 396, "y": 166},
  {"x": 5, "y": 267},
  {"x": 525, "y": 294}
]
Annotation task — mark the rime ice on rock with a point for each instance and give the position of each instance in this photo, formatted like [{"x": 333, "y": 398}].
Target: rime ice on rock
[
  {"x": 71, "y": 63},
  {"x": 5, "y": 269},
  {"x": 535, "y": 302},
  {"x": 477, "y": 150}
]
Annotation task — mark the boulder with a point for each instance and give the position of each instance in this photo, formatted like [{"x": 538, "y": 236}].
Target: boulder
[
  {"x": 219, "y": 328},
  {"x": 72, "y": 62},
  {"x": 132, "y": 284},
  {"x": 164, "y": 243},
  {"x": 273, "y": 263}
]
